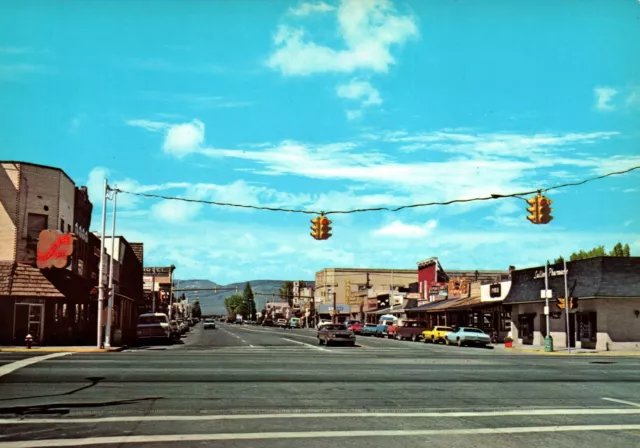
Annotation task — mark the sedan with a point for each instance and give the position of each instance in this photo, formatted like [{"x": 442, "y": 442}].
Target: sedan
[
  {"x": 336, "y": 334},
  {"x": 209, "y": 324},
  {"x": 468, "y": 336},
  {"x": 368, "y": 329}
]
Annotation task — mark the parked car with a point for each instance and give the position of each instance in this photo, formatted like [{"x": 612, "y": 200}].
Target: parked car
[
  {"x": 282, "y": 323},
  {"x": 154, "y": 326},
  {"x": 323, "y": 322},
  {"x": 355, "y": 326},
  {"x": 468, "y": 336},
  {"x": 411, "y": 329},
  {"x": 183, "y": 326},
  {"x": 267, "y": 323},
  {"x": 336, "y": 334},
  {"x": 209, "y": 324},
  {"x": 392, "y": 330},
  {"x": 368, "y": 330},
  {"x": 436, "y": 334},
  {"x": 294, "y": 322},
  {"x": 175, "y": 331}
]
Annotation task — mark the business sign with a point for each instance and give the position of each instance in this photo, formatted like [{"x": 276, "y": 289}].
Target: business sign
[
  {"x": 552, "y": 273},
  {"x": 495, "y": 290},
  {"x": 458, "y": 287},
  {"x": 81, "y": 232},
  {"x": 372, "y": 303},
  {"x": 54, "y": 249},
  {"x": 158, "y": 271},
  {"x": 438, "y": 289}
]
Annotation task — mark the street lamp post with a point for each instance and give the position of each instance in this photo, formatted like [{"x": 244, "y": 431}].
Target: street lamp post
[{"x": 101, "y": 268}]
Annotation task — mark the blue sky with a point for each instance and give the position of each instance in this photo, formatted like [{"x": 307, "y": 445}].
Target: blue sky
[{"x": 333, "y": 105}]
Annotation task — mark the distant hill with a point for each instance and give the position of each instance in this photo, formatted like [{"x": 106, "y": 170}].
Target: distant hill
[{"x": 213, "y": 302}]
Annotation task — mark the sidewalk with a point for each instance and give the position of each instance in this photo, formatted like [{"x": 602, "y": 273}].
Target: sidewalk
[
  {"x": 81, "y": 349},
  {"x": 539, "y": 350}
]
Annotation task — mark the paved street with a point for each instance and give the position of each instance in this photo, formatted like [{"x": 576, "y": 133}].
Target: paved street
[{"x": 245, "y": 386}]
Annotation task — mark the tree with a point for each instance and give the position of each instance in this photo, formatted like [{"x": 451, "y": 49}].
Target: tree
[
  {"x": 286, "y": 292},
  {"x": 599, "y": 251},
  {"x": 235, "y": 304},
  {"x": 195, "y": 309},
  {"x": 560, "y": 259},
  {"x": 250, "y": 303}
]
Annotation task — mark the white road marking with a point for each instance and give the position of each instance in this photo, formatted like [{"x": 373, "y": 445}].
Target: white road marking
[
  {"x": 235, "y": 336},
  {"x": 309, "y": 345},
  {"x": 615, "y": 400},
  {"x": 116, "y": 440},
  {"x": 315, "y": 415},
  {"x": 8, "y": 368}
]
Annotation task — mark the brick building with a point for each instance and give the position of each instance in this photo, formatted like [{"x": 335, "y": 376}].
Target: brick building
[{"x": 607, "y": 290}]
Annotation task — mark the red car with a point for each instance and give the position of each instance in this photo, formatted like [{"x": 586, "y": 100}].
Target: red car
[{"x": 356, "y": 327}]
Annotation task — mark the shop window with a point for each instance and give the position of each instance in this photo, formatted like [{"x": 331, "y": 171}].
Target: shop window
[
  {"x": 588, "y": 326},
  {"x": 505, "y": 321}
]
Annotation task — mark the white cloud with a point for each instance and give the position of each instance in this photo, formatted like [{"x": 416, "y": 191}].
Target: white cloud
[
  {"x": 359, "y": 90},
  {"x": 174, "y": 211},
  {"x": 183, "y": 139},
  {"x": 152, "y": 126},
  {"x": 353, "y": 114},
  {"x": 368, "y": 29},
  {"x": 306, "y": 8},
  {"x": 628, "y": 222},
  {"x": 402, "y": 230},
  {"x": 179, "y": 139},
  {"x": 604, "y": 95}
]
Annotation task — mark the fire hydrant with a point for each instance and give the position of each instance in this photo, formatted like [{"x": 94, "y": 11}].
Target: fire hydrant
[{"x": 28, "y": 340}]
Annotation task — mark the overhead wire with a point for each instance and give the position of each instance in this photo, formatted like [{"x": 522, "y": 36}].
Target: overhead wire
[{"x": 374, "y": 209}]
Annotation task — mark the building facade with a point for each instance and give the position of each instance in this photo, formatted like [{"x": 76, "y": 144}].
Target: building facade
[
  {"x": 158, "y": 292},
  {"x": 607, "y": 293},
  {"x": 55, "y": 303}
]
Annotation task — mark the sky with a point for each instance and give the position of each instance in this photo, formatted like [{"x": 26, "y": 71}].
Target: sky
[{"x": 333, "y": 105}]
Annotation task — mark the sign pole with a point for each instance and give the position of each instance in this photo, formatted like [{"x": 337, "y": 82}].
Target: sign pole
[
  {"x": 101, "y": 268},
  {"x": 107, "y": 332},
  {"x": 566, "y": 305},
  {"x": 546, "y": 295}
]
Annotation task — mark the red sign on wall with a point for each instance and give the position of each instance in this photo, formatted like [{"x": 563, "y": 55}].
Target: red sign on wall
[{"x": 54, "y": 249}]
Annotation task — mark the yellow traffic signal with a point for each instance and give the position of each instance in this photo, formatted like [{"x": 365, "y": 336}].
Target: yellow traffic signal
[
  {"x": 316, "y": 228},
  {"x": 534, "y": 210},
  {"x": 561, "y": 303},
  {"x": 325, "y": 228},
  {"x": 544, "y": 211},
  {"x": 573, "y": 303}
]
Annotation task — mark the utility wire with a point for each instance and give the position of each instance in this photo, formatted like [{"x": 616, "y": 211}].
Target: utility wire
[{"x": 375, "y": 209}]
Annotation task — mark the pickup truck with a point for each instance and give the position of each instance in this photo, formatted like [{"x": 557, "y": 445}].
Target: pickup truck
[
  {"x": 436, "y": 334},
  {"x": 411, "y": 329}
]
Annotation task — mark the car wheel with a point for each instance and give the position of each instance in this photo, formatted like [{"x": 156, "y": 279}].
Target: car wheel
[
  {"x": 398, "y": 337},
  {"x": 447, "y": 341},
  {"x": 414, "y": 338},
  {"x": 433, "y": 340},
  {"x": 327, "y": 342},
  {"x": 460, "y": 344},
  {"x": 352, "y": 344},
  {"x": 320, "y": 341}
]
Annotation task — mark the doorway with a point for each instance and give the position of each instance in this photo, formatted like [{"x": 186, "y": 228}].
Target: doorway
[{"x": 29, "y": 319}]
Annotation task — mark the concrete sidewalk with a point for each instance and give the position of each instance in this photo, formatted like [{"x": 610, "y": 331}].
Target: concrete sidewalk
[
  {"x": 87, "y": 349},
  {"x": 539, "y": 350}
]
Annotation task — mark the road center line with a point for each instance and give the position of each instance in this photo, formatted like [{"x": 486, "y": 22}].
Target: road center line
[
  {"x": 615, "y": 400},
  {"x": 316, "y": 415},
  {"x": 6, "y": 369},
  {"x": 309, "y": 345},
  {"x": 116, "y": 440}
]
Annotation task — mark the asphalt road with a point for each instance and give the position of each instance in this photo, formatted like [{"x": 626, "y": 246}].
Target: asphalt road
[{"x": 245, "y": 386}]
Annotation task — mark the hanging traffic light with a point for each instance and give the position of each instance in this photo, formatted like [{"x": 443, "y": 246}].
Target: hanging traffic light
[
  {"x": 573, "y": 303},
  {"x": 325, "y": 228},
  {"x": 316, "y": 228},
  {"x": 534, "y": 211},
  {"x": 561, "y": 303},
  {"x": 544, "y": 211}
]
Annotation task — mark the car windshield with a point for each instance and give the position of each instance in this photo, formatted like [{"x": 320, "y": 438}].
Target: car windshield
[{"x": 335, "y": 327}]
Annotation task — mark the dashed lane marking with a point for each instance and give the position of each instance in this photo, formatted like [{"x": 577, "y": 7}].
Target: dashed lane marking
[{"x": 630, "y": 403}]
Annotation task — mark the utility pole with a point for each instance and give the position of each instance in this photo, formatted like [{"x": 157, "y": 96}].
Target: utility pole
[
  {"x": 335, "y": 311},
  {"x": 566, "y": 304},
  {"x": 107, "y": 332},
  {"x": 153, "y": 291},
  {"x": 101, "y": 268}
]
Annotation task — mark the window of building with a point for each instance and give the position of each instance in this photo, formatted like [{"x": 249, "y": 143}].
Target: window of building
[
  {"x": 61, "y": 225},
  {"x": 68, "y": 228},
  {"x": 35, "y": 224}
]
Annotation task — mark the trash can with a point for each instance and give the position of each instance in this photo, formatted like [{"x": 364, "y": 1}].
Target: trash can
[{"x": 548, "y": 344}]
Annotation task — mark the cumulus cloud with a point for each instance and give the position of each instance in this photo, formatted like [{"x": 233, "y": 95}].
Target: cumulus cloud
[
  {"x": 401, "y": 230},
  {"x": 368, "y": 29},
  {"x": 362, "y": 92},
  {"x": 180, "y": 139},
  {"x": 306, "y": 8},
  {"x": 604, "y": 95},
  {"x": 174, "y": 211}
]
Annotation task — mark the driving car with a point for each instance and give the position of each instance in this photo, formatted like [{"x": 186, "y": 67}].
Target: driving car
[
  {"x": 335, "y": 334},
  {"x": 209, "y": 324},
  {"x": 467, "y": 336}
]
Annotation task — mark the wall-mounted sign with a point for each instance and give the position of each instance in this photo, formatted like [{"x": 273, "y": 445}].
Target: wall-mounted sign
[
  {"x": 438, "y": 289},
  {"x": 81, "y": 233},
  {"x": 54, "y": 249},
  {"x": 495, "y": 290},
  {"x": 157, "y": 271},
  {"x": 552, "y": 273},
  {"x": 459, "y": 287}
]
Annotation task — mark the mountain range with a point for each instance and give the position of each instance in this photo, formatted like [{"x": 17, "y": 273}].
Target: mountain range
[{"x": 212, "y": 302}]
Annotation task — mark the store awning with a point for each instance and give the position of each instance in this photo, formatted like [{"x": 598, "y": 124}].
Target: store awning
[
  {"x": 426, "y": 306},
  {"x": 25, "y": 281},
  {"x": 392, "y": 310}
]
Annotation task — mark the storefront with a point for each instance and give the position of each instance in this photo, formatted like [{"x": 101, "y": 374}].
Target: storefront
[
  {"x": 606, "y": 292},
  {"x": 326, "y": 311}
]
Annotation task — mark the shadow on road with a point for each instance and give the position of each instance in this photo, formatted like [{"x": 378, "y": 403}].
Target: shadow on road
[{"x": 94, "y": 381}]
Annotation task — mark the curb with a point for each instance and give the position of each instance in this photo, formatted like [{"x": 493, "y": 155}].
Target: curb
[
  {"x": 61, "y": 349},
  {"x": 543, "y": 353}
]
